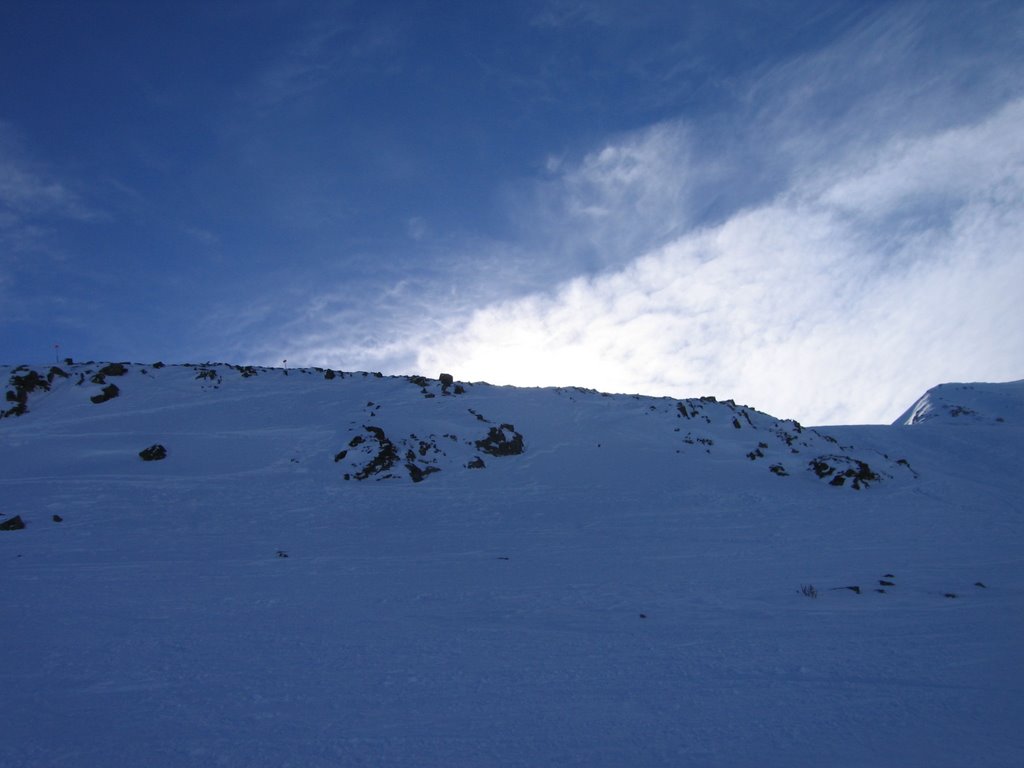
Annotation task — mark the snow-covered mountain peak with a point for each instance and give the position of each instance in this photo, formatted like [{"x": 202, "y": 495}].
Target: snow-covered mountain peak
[{"x": 974, "y": 403}]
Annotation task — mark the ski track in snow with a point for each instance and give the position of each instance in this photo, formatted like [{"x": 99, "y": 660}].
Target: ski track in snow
[{"x": 613, "y": 596}]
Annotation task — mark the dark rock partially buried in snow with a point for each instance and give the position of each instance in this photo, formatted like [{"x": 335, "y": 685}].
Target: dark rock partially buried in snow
[
  {"x": 114, "y": 369},
  {"x": 385, "y": 458},
  {"x": 502, "y": 441},
  {"x": 153, "y": 453},
  {"x": 14, "y": 524},
  {"x": 111, "y": 369},
  {"x": 109, "y": 392},
  {"x": 24, "y": 385},
  {"x": 858, "y": 472},
  {"x": 418, "y": 473}
]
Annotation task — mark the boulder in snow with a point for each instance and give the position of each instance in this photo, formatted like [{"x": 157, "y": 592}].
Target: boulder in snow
[
  {"x": 14, "y": 524},
  {"x": 153, "y": 453}
]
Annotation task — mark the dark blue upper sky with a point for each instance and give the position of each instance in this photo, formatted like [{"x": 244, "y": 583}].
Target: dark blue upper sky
[{"x": 364, "y": 184}]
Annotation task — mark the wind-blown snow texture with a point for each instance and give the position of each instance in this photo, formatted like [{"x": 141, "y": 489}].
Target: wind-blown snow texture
[{"x": 334, "y": 569}]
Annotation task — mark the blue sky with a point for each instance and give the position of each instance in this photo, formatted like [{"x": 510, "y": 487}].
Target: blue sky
[{"x": 815, "y": 208}]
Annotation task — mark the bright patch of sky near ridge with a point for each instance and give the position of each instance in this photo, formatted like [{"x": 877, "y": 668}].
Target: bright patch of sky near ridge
[{"x": 813, "y": 212}]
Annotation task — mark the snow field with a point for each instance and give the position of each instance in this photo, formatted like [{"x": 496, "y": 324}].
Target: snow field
[{"x": 572, "y": 605}]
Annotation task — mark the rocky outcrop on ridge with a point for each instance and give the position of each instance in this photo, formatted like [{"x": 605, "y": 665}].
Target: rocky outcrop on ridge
[{"x": 410, "y": 435}]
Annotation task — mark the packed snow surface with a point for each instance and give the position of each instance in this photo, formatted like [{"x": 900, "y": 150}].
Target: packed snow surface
[{"x": 344, "y": 569}]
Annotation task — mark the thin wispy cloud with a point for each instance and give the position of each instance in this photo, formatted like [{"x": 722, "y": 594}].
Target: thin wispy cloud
[
  {"x": 33, "y": 203},
  {"x": 560, "y": 13},
  {"x": 326, "y": 50},
  {"x": 618, "y": 200},
  {"x": 29, "y": 195}
]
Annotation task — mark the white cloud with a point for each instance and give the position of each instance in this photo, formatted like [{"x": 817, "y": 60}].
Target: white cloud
[
  {"x": 846, "y": 238},
  {"x": 839, "y": 300},
  {"x": 946, "y": 168},
  {"x": 800, "y": 307}
]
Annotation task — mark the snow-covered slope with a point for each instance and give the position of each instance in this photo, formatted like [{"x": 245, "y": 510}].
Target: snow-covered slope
[
  {"x": 226, "y": 419},
  {"x": 332, "y": 568},
  {"x": 968, "y": 403}
]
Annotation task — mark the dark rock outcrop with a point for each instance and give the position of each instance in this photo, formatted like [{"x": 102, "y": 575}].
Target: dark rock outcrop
[
  {"x": 154, "y": 453},
  {"x": 385, "y": 458},
  {"x": 109, "y": 392},
  {"x": 23, "y": 385},
  {"x": 418, "y": 473},
  {"x": 502, "y": 441},
  {"x": 113, "y": 369},
  {"x": 857, "y": 472},
  {"x": 14, "y": 524}
]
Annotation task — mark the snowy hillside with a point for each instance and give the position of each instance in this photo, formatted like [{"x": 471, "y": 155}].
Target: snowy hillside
[
  {"x": 969, "y": 403},
  {"x": 214, "y": 564}
]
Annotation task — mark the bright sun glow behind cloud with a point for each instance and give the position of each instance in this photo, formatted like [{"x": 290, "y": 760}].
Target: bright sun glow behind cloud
[
  {"x": 846, "y": 236},
  {"x": 840, "y": 300},
  {"x": 803, "y": 306}
]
